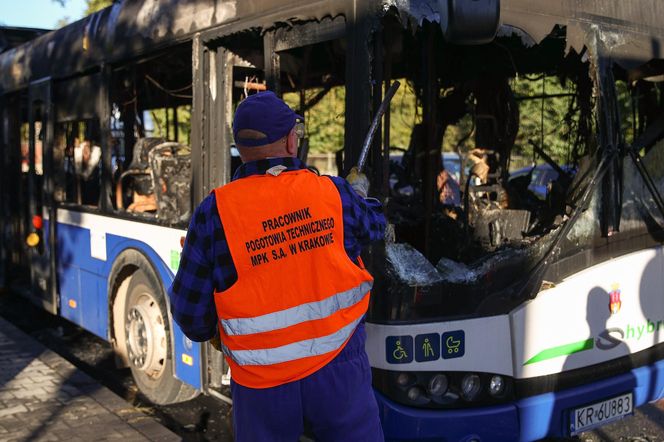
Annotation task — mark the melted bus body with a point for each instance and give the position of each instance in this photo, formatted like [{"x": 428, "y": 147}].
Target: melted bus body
[{"x": 519, "y": 294}]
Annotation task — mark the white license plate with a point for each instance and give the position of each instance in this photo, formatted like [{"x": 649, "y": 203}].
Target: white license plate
[{"x": 585, "y": 418}]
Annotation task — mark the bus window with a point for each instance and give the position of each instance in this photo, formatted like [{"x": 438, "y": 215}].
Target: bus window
[
  {"x": 77, "y": 160},
  {"x": 310, "y": 77},
  {"x": 24, "y": 186},
  {"x": 25, "y": 149},
  {"x": 243, "y": 61},
  {"x": 39, "y": 148},
  {"x": 151, "y": 134},
  {"x": 313, "y": 83}
]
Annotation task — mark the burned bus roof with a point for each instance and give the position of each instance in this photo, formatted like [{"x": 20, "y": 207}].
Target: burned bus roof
[
  {"x": 629, "y": 31},
  {"x": 12, "y": 36},
  {"x": 129, "y": 29}
]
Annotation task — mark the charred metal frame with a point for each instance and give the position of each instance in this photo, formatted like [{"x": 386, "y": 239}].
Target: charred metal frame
[
  {"x": 213, "y": 129},
  {"x": 42, "y": 268}
]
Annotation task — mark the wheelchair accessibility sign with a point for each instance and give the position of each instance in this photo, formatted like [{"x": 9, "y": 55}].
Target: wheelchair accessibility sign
[
  {"x": 427, "y": 347},
  {"x": 399, "y": 349}
]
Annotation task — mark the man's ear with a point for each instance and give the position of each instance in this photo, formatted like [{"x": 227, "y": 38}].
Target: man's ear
[{"x": 291, "y": 143}]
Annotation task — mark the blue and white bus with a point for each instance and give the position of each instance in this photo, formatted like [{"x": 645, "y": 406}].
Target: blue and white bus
[{"x": 508, "y": 316}]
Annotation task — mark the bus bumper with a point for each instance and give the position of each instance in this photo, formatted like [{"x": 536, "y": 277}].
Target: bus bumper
[
  {"x": 532, "y": 418},
  {"x": 402, "y": 423}
]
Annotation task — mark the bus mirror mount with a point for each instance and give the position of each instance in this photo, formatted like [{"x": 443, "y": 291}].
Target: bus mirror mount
[{"x": 469, "y": 22}]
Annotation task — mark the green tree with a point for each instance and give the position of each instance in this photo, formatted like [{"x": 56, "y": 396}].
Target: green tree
[
  {"x": 96, "y": 5},
  {"x": 159, "y": 118},
  {"x": 325, "y": 120},
  {"x": 92, "y": 6}
]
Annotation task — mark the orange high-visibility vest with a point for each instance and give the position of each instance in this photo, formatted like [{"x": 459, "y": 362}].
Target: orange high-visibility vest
[{"x": 298, "y": 297}]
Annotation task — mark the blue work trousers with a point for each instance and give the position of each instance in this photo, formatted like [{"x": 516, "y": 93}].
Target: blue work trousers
[{"x": 337, "y": 402}]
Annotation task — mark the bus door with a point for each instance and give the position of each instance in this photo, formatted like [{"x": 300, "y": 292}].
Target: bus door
[
  {"x": 40, "y": 215},
  {"x": 14, "y": 177},
  {"x": 225, "y": 70}
]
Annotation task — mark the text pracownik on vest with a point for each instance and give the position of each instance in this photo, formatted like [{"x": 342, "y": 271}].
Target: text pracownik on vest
[
  {"x": 290, "y": 234},
  {"x": 280, "y": 221}
]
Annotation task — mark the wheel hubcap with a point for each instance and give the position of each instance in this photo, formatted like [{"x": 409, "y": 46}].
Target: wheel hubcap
[{"x": 146, "y": 336}]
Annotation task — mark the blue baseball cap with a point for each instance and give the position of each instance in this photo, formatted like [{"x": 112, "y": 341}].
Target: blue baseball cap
[{"x": 265, "y": 113}]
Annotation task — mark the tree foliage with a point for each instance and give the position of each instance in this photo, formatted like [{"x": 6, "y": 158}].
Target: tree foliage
[
  {"x": 96, "y": 5},
  {"x": 160, "y": 120},
  {"x": 548, "y": 114}
]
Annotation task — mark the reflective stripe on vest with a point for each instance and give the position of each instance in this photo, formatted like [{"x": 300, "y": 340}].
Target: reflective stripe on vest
[
  {"x": 296, "y": 350},
  {"x": 295, "y": 315}
]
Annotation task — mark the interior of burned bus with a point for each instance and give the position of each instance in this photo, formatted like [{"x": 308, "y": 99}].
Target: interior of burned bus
[
  {"x": 151, "y": 137},
  {"x": 503, "y": 186}
]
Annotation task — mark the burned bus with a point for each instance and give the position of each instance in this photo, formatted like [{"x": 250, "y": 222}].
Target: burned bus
[{"x": 518, "y": 294}]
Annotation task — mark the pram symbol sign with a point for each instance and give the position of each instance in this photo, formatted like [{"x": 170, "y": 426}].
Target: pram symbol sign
[{"x": 454, "y": 344}]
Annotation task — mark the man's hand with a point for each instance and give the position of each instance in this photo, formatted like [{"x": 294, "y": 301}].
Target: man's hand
[
  {"x": 216, "y": 342},
  {"x": 359, "y": 182}
]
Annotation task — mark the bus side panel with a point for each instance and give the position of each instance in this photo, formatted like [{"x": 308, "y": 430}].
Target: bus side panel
[
  {"x": 186, "y": 354},
  {"x": 88, "y": 245},
  {"x": 93, "y": 310},
  {"x": 187, "y": 358},
  {"x": 82, "y": 285}
]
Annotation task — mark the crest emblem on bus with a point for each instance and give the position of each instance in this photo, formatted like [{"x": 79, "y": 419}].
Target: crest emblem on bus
[{"x": 614, "y": 299}]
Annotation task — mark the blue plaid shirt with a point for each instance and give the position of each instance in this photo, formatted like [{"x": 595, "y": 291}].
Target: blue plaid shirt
[{"x": 206, "y": 264}]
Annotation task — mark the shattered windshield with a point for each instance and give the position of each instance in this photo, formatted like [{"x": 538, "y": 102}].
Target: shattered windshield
[
  {"x": 512, "y": 166},
  {"x": 490, "y": 147}
]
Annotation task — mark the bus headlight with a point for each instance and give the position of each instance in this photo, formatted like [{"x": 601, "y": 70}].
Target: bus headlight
[
  {"x": 496, "y": 386},
  {"x": 470, "y": 387},
  {"x": 443, "y": 389},
  {"x": 415, "y": 393},
  {"x": 437, "y": 385},
  {"x": 403, "y": 379}
]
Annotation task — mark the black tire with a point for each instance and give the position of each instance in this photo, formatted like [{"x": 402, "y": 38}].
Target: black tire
[{"x": 148, "y": 338}]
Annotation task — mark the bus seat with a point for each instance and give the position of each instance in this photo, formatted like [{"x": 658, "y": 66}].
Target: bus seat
[
  {"x": 138, "y": 178},
  {"x": 170, "y": 164}
]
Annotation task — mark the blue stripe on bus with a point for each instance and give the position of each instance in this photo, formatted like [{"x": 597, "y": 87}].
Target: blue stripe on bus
[{"x": 533, "y": 418}]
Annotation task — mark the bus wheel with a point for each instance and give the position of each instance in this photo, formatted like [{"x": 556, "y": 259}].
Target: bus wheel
[{"x": 149, "y": 349}]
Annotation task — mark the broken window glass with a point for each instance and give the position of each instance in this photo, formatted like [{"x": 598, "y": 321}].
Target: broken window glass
[{"x": 492, "y": 152}]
